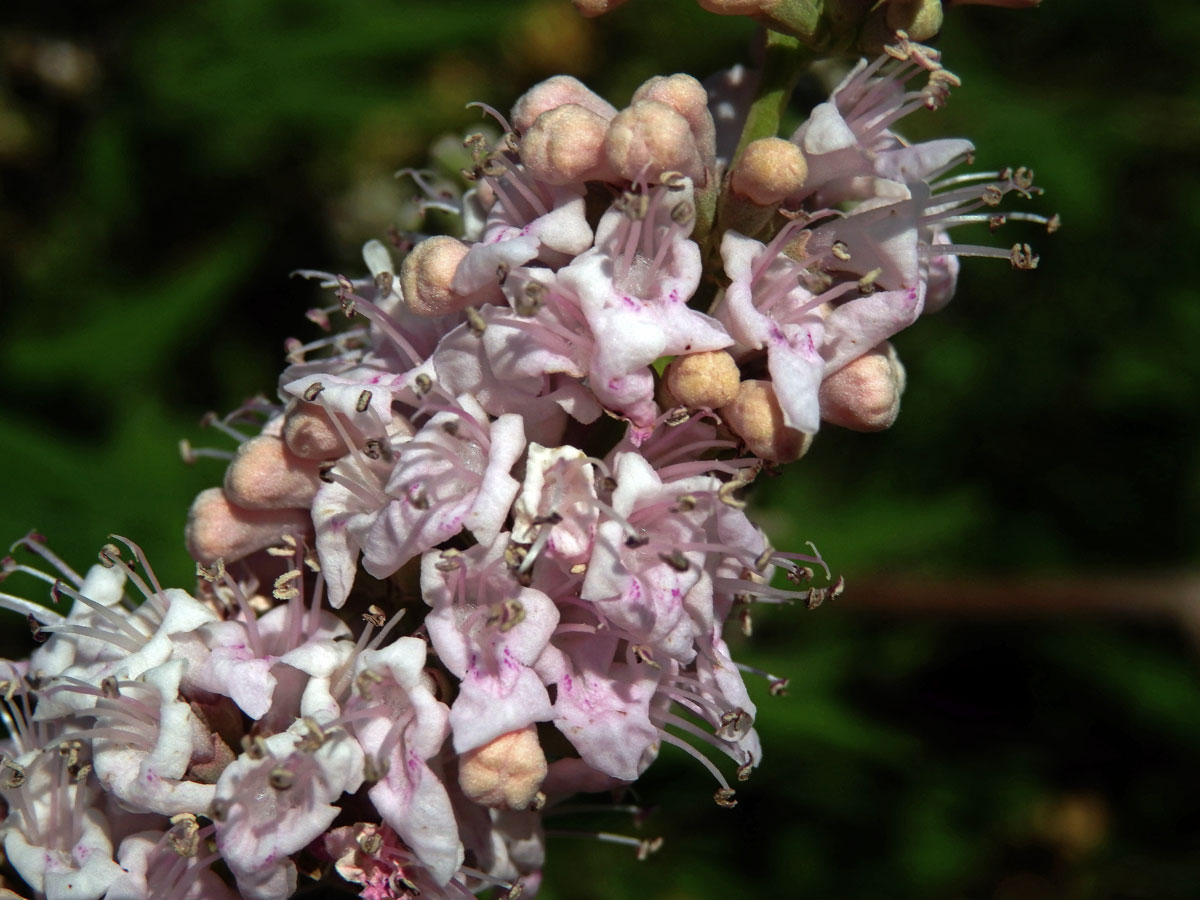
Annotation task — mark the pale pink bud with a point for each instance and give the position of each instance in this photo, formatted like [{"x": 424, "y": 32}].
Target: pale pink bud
[
  {"x": 649, "y": 138},
  {"x": 686, "y": 96},
  {"x": 426, "y": 274},
  {"x": 865, "y": 395},
  {"x": 769, "y": 170},
  {"x": 708, "y": 379},
  {"x": 755, "y": 417},
  {"x": 566, "y": 145},
  {"x": 309, "y": 433},
  {"x": 505, "y": 773},
  {"x": 554, "y": 92},
  {"x": 217, "y": 529},
  {"x": 266, "y": 475}
]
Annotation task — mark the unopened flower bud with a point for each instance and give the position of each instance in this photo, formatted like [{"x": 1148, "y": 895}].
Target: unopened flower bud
[
  {"x": 565, "y": 145},
  {"x": 920, "y": 19},
  {"x": 755, "y": 417},
  {"x": 769, "y": 170},
  {"x": 865, "y": 395},
  {"x": 686, "y": 96},
  {"x": 708, "y": 379},
  {"x": 555, "y": 92},
  {"x": 649, "y": 138},
  {"x": 218, "y": 529},
  {"x": 426, "y": 274},
  {"x": 308, "y": 433},
  {"x": 266, "y": 475},
  {"x": 505, "y": 773}
]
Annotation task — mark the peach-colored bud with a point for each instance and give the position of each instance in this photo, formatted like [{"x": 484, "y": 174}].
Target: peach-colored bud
[
  {"x": 921, "y": 19},
  {"x": 217, "y": 529},
  {"x": 756, "y": 418},
  {"x": 426, "y": 274},
  {"x": 865, "y": 395},
  {"x": 686, "y": 96},
  {"x": 565, "y": 145},
  {"x": 505, "y": 773},
  {"x": 309, "y": 433},
  {"x": 708, "y": 379},
  {"x": 266, "y": 475},
  {"x": 649, "y": 138},
  {"x": 769, "y": 170},
  {"x": 557, "y": 91},
  {"x": 592, "y": 8}
]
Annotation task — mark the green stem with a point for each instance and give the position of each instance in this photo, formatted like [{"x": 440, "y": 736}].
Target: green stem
[{"x": 785, "y": 59}]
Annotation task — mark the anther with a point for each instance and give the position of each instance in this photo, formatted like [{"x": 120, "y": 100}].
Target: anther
[
  {"x": 423, "y": 384},
  {"x": 475, "y": 320},
  {"x": 375, "y": 616},
  {"x": 778, "y": 686},
  {"x": 866, "y": 284},
  {"x": 109, "y": 554},
  {"x": 647, "y": 847},
  {"x": 502, "y": 272},
  {"x": 673, "y": 181},
  {"x": 744, "y": 770},
  {"x": 992, "y": 195},
  {"x": 370, "y": 843},
  {"x": 13, "y": 774},
  {"x": 35, "y": 628},
  {"x": 365, "y": 681},
  {"x": 643, "y": 654},
  {"x": 324, "y": 472},
  {"x": 450, "y": 561},
  {"x": 281, "y": 779},
  {"x": 364, "y": 400},
  {"x": 1053, "y": 224},
  {"x": 675, "y": 559},
  {"x": 685, "y": 502},
  {"x": 109, "y": 687},
  {"x": 1022, "y": 257},
  {"x": 372, "y": 448},
  {"x": 636, "y": 540},
  {"x": 313, "y": 391},
  {"x": 735, "y": 724},
  {"x": 313, "y": 738},
  {"x": 283, "y": 589},
  {"x": 683, "y": 213},
  {"x": 507, "y": 614},
  {"x": 840, "y": 250},
  {"x": 677, "y": 416},
  {"x": 254, "y": 746},
  {"x": 213, "y": 573},
  {"x": 531, "y": 298},
  {"x": 725, "y": 798}
]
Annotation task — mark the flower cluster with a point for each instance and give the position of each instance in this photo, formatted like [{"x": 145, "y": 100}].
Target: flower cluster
[{"x": 526, "y": 457}]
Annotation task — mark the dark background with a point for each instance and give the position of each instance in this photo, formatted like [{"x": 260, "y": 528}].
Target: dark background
[{"x": 1006, "y": 702}]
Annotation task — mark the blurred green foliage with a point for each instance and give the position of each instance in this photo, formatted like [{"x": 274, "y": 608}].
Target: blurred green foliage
[{"x": 163, "y": 167}]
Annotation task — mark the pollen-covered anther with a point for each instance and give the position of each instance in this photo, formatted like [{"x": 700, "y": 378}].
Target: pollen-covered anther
[
  {"x": 427, "y": 273},
  {"x": 506, "y": 615},
  {"x": 530, "y": 299},
  {"x": 645, "y": 655},
  {"x": 768, "y": 171},
  {"x": 650, "y": 137},
  {"x": 12, "y": 774},
  {"x": 370, "y": 843},
  {"x": 840, "y": 250},
  {"x": 1022, "y": 257},
  {"x": 505, "y": 773},
  {"x": 254, "y": 746},
  {"x": 756, "y": 417},
  {"x": 647, "y": 847},
  {"x": 676, "y": 560},
  {"x": 475, "y": 320},
  {"x": 778, "y": 685},
  {"x": 281, "y": 779},
  {"x": 366, "y": 681},
  {"x": 735, "y": 724},
  {"x": 284, "y": 589},
  {"x": 724, "y": 798},
  {"x": 703, "y": 380},
  {"x": 864, "y": 395}
]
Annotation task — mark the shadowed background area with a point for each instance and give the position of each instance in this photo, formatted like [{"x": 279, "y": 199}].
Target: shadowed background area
[{"x": 1006, "y": 702}]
